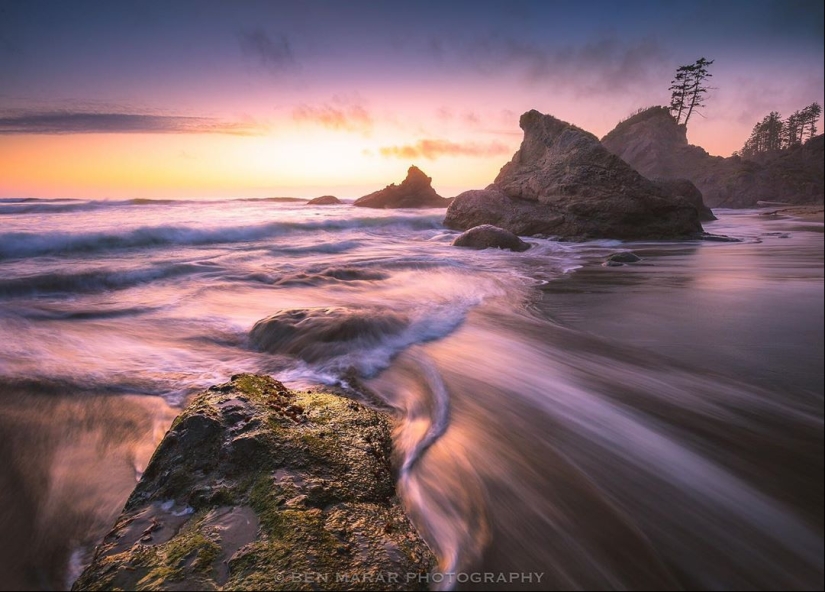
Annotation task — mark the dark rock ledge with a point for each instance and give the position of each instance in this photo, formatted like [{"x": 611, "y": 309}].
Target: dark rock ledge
[{"x": 256, "y": 487}]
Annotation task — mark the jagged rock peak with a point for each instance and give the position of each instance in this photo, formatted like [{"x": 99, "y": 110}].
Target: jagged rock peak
[
  {"x": 415, "y": 176},
  {"x": 415, "y": 191}
]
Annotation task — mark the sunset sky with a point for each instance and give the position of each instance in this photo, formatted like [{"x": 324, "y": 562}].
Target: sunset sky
[{"x": 254, "y": 99}]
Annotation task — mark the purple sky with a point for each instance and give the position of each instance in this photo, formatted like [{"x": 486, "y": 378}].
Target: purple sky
[{"x": 120, "y": 99}]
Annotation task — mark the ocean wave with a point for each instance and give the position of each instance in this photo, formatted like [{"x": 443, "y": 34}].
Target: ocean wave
[
  {"x": 33, "y": 244},
  {"x": 92, "y": 281},
  {"x": 330, "y": 248},
  {"x": 9, "y": 207},
  {"x": 33, "y": 207},
  {"x": 332, "y": 274},
  {"x": 55, "y": 314}
]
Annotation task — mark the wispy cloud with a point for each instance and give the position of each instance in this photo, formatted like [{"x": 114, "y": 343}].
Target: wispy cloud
[
  {"x": 274, "y": 53},
  {"x": 467, "y": 117},
  {"x": 433, "y": 149},
  {"x": 602, "y": 66},
  {"x": 341, "y": 113},
  {"x": 68, "y": 122}
]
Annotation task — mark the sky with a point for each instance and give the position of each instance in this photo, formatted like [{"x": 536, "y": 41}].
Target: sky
[{"x": 203, "y": 99}]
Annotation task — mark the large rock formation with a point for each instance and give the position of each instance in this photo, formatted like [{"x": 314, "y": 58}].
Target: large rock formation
[
  {"x": 416, "y": 191},
  {"x": 655, "y": 145},
  {"x": 256, "y": 487},
  {"x": 563, "y": 182}
]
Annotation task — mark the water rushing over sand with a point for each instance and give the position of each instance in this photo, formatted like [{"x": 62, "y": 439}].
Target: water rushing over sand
[{"x": 659, "y": 424}]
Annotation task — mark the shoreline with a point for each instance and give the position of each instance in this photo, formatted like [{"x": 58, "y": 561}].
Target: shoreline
[
  {"x": 807, "y": 213},
  {"x": 739, "y": 316}
]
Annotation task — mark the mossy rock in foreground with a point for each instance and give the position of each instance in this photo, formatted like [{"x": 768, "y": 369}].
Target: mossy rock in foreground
[{"x": 256, "y": 487}]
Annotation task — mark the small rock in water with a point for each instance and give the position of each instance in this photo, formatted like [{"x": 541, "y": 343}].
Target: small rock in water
[
  {"x": 626, "y": 257},
  {"x": 487, "y": 236},
  {"x": 324, "y": 200}
]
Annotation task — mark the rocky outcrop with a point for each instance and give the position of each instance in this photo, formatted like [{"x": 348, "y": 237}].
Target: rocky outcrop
[
  {"x": 256, "y": 487},
  {"x": 416, "y": 191},
  {"x": 690, "y": 193},
  {"x": 488, "y": 236},
  {"x": 655, "y": 145},
  {"x": 324, "y": 200},
  {"x": 563, "y": 182}
]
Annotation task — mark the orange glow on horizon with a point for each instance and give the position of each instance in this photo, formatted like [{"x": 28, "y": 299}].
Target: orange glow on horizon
[
  {"x": 294, "y": 157},
  {"x": 300, "y": 161}
]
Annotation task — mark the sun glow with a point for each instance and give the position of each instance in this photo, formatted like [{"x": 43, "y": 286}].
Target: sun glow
[{"x": 293, "y": 159}]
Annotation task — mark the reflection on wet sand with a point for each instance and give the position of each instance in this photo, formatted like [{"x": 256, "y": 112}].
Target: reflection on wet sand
[{"x": 69, "y": 462}]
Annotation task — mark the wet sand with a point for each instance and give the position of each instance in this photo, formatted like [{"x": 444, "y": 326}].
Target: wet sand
[
  {"x": 663, "y": 430},
  {"x": 749, "y": 314},
  {"x": 69, "y": 461}
]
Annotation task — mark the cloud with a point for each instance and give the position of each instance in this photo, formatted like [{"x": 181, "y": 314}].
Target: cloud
[
  {"x": 470, "y": 118},
  {"x": 339, "y": 114},
  {"x": 67, "y": 122},
  {"x": 433, "y": 149},
  {"x": 605, "y": 66},
  {"x": 272, "y": 53}
]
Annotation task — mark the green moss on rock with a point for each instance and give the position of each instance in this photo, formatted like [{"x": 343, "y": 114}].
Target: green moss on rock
[{"x": 259, "y": 487}]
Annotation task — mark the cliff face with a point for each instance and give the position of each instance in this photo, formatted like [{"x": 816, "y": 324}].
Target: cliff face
[
  {"x": 563, "y": 182},
  {"x": 256, "y": 487},
  {"x": 656, "y": 146}
]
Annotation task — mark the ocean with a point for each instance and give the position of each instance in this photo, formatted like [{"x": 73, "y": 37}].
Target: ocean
[{"x": 658, "y": 424}]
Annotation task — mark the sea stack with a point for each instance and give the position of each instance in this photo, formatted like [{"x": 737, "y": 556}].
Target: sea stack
[
  {"x": 562, "y": 182},
  {"x": 416, "y": 191},
  {"x": 655, "y": 145}
]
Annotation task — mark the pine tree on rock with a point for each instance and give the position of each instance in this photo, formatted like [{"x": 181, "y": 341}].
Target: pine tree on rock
[{"x": 688, "y": 89}]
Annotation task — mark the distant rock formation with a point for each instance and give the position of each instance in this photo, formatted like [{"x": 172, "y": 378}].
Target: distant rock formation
[
  {"x": 255, "y": 484},
  {"x": 655, "y": 145},
  {"x": 488, "y": 236},
  {"x": 280, "y": 199},
  {"x": 324, "y": 200},
  {"x": 562, "y": 182},
  {"x": 416, "y": 191}
]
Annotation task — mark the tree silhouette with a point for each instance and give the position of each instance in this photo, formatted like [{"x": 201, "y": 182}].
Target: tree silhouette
[
  {"x": 772, "y": 133},
  {"x": 810, "y": 115},
  {"x": 679, "y": 88},
  {"x": 793, "y": 130},
  {"x": 688, "y": 89}
]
